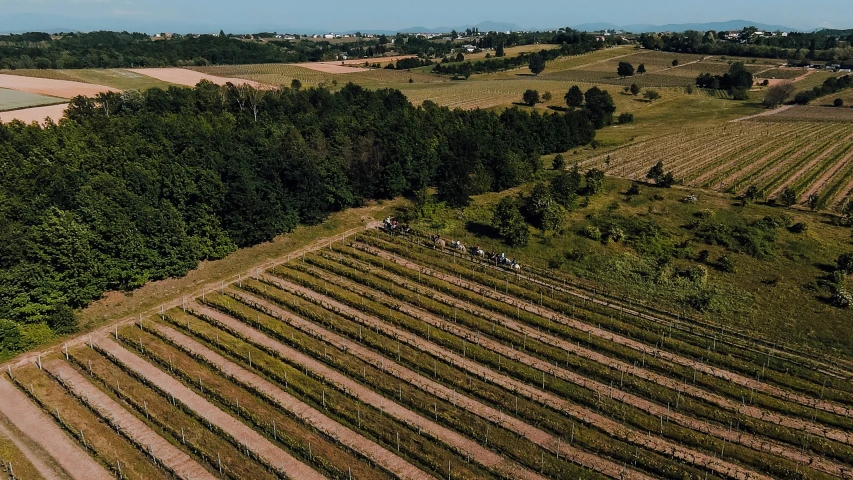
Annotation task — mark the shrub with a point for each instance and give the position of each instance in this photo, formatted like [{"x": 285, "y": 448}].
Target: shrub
[
  {"x": 592, "y": 232},
  {"x": 726, "y": 264},
  {"x": 559, "y": 162},
  {"x": 841, "y": 299},
  {"x": 740, "y": 94},
  {"x": 690, "y": 89},
  {"x": 799, "y": 227},
  {"x": 838, "y": 102},
  {"x": 633, "y": 190},
  {"x": 615, "y": 234},
  {"x": 704, "y": 256},
  {"x": 625, "y": 118},
  {"x": 845, "y": 263}
]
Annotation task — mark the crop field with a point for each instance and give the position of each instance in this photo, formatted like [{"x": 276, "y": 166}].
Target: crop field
[
  {"x": 13, "y": 100},
  {"x": 381, "y": 357},
  {"x": 112, "y": 77},
  {"x": 809, "y": 157}
]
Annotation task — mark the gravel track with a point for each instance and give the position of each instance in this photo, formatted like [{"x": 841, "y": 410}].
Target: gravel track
[
  {"x": 166, "y": 453},
  {"x": 258, "y": 444},
  {"x": 535, "y": 435},
  {"x": 352, "y": 440},
  {"x": 40, "y": 428},
  {"x": 846, "y": 437},
  {"x": 746, "y": 439},
  {"x": 545, "y": 398}
]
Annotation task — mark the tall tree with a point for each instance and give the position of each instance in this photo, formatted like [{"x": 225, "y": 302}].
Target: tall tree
[
  {"x": 537, "y": 63},
  {"x": 509, "y": 223},
  {"x": 574, "y": 97},
  {"x": 625, "y": 69}
]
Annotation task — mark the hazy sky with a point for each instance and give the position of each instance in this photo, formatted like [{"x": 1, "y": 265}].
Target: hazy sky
[{"x": 398, "y": 14}]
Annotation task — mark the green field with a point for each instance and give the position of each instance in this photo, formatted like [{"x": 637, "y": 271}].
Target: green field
[{"x": 14, "y": 100}]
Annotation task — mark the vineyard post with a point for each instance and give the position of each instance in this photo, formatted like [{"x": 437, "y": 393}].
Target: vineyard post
[
  {"x": 38, "y": 359},
  {"x": 274, "y": 433},
  {"x": 65, "y": 349},
  {"x": 219, "y": 462}
]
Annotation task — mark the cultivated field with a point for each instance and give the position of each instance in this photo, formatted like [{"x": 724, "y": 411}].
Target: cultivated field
[
  {"x": 112, "y": 77},
  {"x": 13, "y": 100},
  {"x": 807, "y": 156},
  {"x": 381, "y": 357},
  {"x": 182, "y": 76},
  {"x": 51, "y": 87},
  {"x": 35, "y": 114}
]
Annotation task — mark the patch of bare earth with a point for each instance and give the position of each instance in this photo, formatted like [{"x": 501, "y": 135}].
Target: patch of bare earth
[
  {"x": 190, "y": 78},
  {"x": 51, "y": 87},
  {"x": 35, "y": 114}
]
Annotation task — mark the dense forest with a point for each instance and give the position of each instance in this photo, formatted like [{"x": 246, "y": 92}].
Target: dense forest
[
  {"x": 133, "y": 187},
  {"x": 126, "y": 50},
  {"x": 823, "y": 45}
]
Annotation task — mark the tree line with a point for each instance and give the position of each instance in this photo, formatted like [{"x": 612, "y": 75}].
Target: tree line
[
  {"x": 126, "y": 50},
  {"x": 536, "y": 60},
  {"x": 822, "y": 45},
  {"x": 132, "y": 187}
]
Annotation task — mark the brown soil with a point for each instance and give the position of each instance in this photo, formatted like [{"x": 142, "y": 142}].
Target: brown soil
[
  {"x": 746, "y": 439},
  {"x": 39, "y": 461},
  {"x": 807, "y": 167},
  {"x": 352, "y": 440},
  {"x": 828, "y": 175},
  {"x": 259, "y": 445},
  {"x": 50, "y": 87},
  {"x": 35, "y": 114},
  {"x": 638, "y": 346},
  {"x": 40, "y": 429},
  {"x": 162, "y": 450},
  {"x": 458, "y": 442},
  {"x": 190, "y": 78}
]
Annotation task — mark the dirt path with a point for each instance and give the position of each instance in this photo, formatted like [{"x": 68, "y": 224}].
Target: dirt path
[
  {"x": 535, "y": 435},
  {"x": 664, "y": 447},
  {"x": 350, "y": 439},
  {"x": 746, "y": 439},
  {"x": 763, "y": 114},
  {"x": 39, "y": 428},
  {"x": 457, "y": 442},
  {"x": 269, "y": 452},
  {"x": 807, "y": 167},
  {"x": 166, "y": 453},
  {"x": 636, "y": 345},
  {"x": 38, "y": 460}
]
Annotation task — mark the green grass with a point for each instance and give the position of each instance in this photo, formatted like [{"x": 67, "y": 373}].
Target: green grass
[
  {"x": 14, "y": 100},
  {"x": 748, "y": 299}
]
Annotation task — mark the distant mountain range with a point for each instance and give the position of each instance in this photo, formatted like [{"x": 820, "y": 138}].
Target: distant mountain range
[{"x": 19, "y": 23}]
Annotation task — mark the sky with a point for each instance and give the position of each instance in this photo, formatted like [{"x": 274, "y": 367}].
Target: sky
[{"x": 341, "y": 15}]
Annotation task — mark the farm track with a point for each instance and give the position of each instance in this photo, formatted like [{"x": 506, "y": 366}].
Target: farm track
[
  {"x": 637, "y": 346},
  {"x": 28, "y": 418},
  {"x": 653, "y": 408},
  {"x": 541, "y": 438},
  {"x": 481, "y": 455},
  {"x": 269, "y": 452},
  {"x": 545, "y": 398},
  {"x": 173, "y": 458}
]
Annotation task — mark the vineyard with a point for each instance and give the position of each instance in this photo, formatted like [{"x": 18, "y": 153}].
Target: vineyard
[
  {"x": 808, "y": 157},
  {"x": 382, "y": 357}
]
